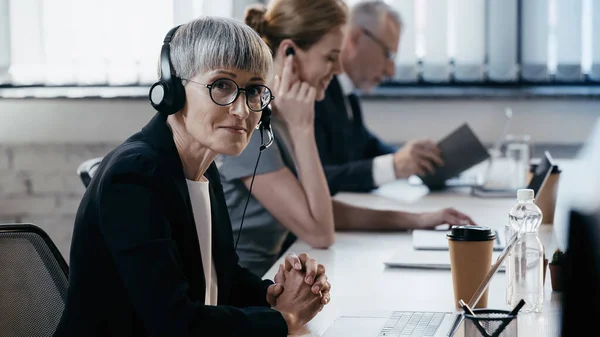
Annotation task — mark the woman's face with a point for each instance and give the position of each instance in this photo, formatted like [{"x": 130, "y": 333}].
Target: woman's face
[
  {"x": 318, "y": 64},
  {"x": 223, "y": 129}
]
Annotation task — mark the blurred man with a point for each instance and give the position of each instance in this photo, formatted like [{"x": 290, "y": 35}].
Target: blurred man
[{"x": 354, "y": 159}]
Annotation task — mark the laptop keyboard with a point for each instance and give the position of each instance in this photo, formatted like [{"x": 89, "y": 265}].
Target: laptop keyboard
[{"x": 412, "y": 324}]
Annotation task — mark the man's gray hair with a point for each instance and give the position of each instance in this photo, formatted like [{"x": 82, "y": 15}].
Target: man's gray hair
[
  {"x": 368, "y": 14},
  {"x": 209, "y": 43}
]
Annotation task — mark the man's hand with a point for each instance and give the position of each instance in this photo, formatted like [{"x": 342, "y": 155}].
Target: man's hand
[{"x": 417, "y": 157}]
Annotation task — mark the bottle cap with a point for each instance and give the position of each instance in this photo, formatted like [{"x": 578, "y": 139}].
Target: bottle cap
[{"x": 525, "y": 194}]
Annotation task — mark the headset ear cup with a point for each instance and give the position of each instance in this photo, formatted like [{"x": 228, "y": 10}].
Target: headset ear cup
[
  {"x": 178, "y": 94},
  {"x": 167, "y": 97},
  {"x": 157, "y": 94}
]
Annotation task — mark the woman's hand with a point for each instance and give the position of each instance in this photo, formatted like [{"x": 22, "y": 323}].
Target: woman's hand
[
  {"x": 448, "y": 216},
  {"x": 314, "y": 276},
  {"x": 294, "y": 100},
  {"x": 297, "y": 303},
  {"x": 276, "y": 288}
]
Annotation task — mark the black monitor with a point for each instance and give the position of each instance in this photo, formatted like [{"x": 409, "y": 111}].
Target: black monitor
[{"x": 581, "y": 274}]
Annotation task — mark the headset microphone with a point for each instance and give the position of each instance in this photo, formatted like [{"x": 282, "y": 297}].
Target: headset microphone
[{"x": 265, "y": 124}]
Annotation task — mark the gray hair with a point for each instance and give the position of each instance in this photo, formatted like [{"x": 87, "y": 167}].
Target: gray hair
[
  {"x": 210, "y": 43},
  {"x": 368, "y": 14}
]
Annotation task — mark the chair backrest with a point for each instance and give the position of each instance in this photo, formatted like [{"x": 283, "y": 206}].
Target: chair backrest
[
  {"x": 87, "y": 169},
  {"x": 33, "y": 282}
]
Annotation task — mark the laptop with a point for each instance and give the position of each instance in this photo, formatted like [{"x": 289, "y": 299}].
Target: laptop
[
  {"x": 540, "y": 176},
  {"x": 401, "y": 323}
]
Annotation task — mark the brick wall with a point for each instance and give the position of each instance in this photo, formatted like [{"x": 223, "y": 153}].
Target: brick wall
[{"x": 39, "y": 185}]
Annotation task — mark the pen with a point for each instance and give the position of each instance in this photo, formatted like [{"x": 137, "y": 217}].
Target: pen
[
  {"x": 466, "y": 308},
  {"x": 511, "y": 315},
  {"x": 517, "y": 308}
]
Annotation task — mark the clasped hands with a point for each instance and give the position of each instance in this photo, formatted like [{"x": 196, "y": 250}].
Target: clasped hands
[{"x": 300, "y": 290}]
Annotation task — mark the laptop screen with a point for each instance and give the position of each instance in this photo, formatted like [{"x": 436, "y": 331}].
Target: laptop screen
[{"x": 541, "y": 173}]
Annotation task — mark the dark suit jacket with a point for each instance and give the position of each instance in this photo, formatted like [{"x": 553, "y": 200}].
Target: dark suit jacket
[
  {"x": 345, "y": 145},
  {"x": 135, "y": 264}
]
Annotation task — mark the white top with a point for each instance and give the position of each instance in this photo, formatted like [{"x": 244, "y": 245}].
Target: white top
[
  {"x": 383, "y": 166},
  {"x": 200, "y": 199}
]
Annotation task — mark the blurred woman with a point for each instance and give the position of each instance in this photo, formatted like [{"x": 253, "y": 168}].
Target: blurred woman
[{"x": 290, "y": 191}]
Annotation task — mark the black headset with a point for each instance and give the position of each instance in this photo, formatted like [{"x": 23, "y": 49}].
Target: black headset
[{"x": 167, "y": 95}]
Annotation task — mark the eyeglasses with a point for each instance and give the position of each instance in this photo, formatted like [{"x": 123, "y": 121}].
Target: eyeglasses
[
  {"x": 225, "y": 91},
  {"x": 390, "y": 55}
]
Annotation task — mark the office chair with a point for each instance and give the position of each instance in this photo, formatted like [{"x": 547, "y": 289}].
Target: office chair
[
  {"x": 87, "y": 169},
  {"x": 33, "y": 285}
]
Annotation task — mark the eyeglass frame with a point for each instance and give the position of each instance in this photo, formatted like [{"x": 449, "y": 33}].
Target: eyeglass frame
[
  {"x": 239, "y": 90},
  {"x": 390, "y": 55}
]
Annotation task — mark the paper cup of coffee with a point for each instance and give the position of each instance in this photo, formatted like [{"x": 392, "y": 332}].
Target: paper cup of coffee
[{"x": 471, "y": 250}]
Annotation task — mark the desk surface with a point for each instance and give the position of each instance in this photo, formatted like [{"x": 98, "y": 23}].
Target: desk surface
[{"x": 360, "y": 281}]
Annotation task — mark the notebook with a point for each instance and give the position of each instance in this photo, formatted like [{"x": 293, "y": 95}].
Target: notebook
[
  {"x": 460, "y": 150},
  {"x": 425, "y": 259}
]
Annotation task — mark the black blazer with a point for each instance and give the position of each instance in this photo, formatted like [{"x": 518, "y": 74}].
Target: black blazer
[
  {"x": 135, "y": 265},
  {"x": 346, "y": 147}
]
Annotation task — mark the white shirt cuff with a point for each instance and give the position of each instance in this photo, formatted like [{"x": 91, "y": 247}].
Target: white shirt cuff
[{"x": 383, "y": 169}]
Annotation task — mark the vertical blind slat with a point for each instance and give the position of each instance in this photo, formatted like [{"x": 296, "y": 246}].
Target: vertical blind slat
[
  {"x": 469, "y": 39},
  {"x": 568, "y": 40},
  {"x": 595, "y": 41},
  {"x": 406, "y": 60},
  {"x": 502, "y": 40},
  {"x": 27, "y": 47},
  {"x": 436, "y": 60},
  {"x": 534, "y": 42}
]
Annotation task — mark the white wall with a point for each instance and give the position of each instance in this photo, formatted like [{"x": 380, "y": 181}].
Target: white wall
[
  {"x": 97, "y": 120},
  {"x": 547, "y": 121}
]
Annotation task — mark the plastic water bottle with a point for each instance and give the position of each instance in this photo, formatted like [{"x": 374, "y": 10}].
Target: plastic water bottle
[
  {"x": 508, "y": 233},
  {"x": 525, "y": 262}
]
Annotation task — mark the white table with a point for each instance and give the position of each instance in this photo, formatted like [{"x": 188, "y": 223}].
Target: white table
[{"x": 360, "y": 281}]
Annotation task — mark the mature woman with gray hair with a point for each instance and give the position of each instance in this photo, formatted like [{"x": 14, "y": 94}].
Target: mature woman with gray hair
[{"x": 152, "y": 252}]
